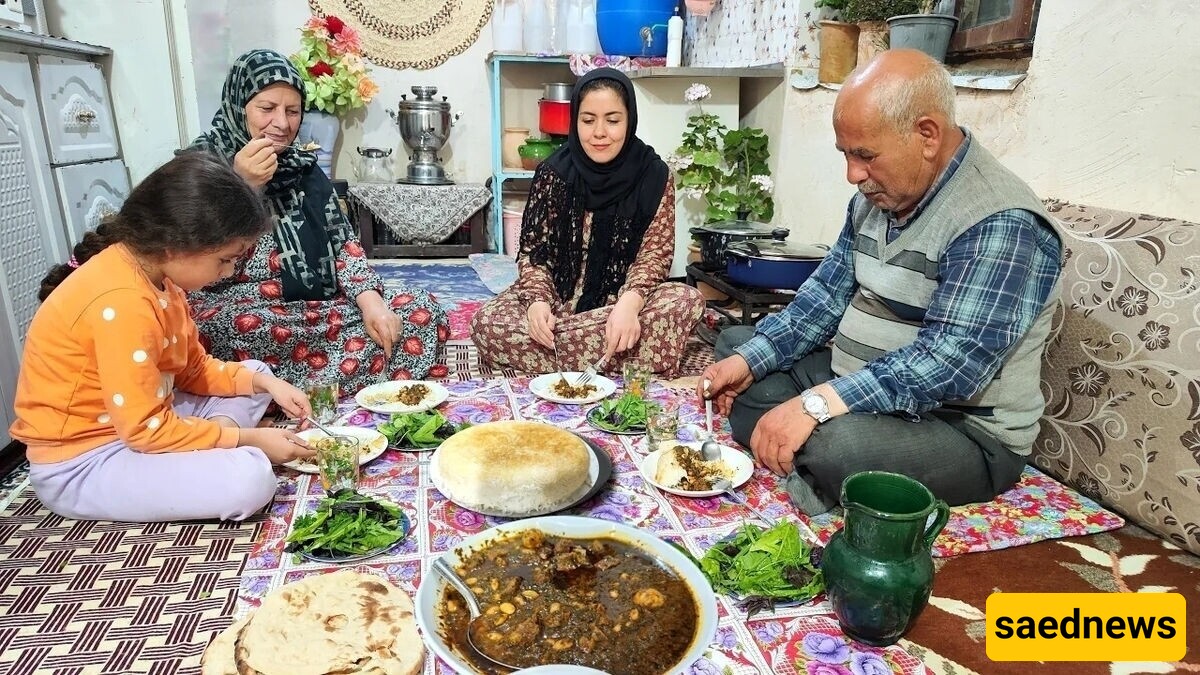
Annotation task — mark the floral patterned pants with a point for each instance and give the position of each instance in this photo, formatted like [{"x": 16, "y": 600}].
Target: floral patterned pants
[
  {"x": 501, "y": 332},
  {"x": 308, "y": 342}
]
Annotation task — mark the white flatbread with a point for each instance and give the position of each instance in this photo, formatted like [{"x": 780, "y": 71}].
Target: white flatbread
[{"x": 345, "y": 622}]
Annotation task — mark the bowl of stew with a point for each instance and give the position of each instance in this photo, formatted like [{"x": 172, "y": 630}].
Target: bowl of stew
[{"x": 574, "y": 591}]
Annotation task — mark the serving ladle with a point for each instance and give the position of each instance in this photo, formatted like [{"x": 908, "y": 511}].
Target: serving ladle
[{"x": 443, "y": 568}]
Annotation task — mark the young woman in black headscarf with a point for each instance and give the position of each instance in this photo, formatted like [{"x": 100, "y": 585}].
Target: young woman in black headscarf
[
  {"x": 303, "y": 299},
  {"x": 597, "y": 240}
]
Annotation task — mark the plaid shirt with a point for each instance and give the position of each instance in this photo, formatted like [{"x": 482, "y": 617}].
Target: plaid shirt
[{"x": 995, "y": 279}]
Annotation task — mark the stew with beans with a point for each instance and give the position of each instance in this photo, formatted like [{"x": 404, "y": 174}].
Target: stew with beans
[{"x": 547, "y": 599}]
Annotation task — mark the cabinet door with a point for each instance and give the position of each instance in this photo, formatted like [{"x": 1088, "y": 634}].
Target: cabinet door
[
  {"x": 89, "y": 192},
  {"x": 30, "y": 229},
  {"x": 77, "y": 110}
]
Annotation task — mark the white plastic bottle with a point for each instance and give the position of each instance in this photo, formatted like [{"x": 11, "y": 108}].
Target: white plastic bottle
[
  {"x": 539, "y": 27},
  {"x": 506, "y": 26},
  {"x": 675, "y": 40}
]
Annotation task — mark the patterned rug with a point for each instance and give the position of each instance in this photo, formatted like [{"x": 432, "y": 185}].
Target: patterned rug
[
  {"x": 497, "y": 271},
  {"x": 456, "y": 285},
  {"x": 86, "y": 597}
]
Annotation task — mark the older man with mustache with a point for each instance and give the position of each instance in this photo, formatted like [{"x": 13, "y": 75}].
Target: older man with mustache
[{"x": 916, "y": 346}]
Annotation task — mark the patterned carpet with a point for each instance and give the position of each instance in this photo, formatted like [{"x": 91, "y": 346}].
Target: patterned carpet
[{"x": 114, "y": 598}]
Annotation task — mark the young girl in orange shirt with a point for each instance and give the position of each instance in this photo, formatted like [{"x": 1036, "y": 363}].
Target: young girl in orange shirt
[{"x": 124, "y": 414}]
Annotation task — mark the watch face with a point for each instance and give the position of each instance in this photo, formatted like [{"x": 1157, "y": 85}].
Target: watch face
[{"x": 815, "y": 404}]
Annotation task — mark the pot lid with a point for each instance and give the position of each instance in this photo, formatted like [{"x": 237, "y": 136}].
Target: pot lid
[
  {"x": 743, "y": 227},
  {"x": 777, "y": 250},
  {"x": 424, "y": 100},
  {"x": 374, "y": 153}
]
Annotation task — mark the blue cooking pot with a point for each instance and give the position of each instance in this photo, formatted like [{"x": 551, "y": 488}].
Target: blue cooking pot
[{"x": 774, "y": 264}]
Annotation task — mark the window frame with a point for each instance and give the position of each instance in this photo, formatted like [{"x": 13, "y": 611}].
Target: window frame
[{"x": 1011, "y": 37}]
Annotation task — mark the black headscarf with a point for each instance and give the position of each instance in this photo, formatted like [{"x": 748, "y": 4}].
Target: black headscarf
[
  {"x": 623, "y": 196},
  {"x": 309, "y": 229}
]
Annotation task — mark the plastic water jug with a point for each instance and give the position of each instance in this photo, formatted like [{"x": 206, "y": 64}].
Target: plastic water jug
[
  {"x": 539, "y": 28},
  {"x": 506, "y": 26},
  {"x": 634, "y": 27},
  {"x": 578, "y": 19}
]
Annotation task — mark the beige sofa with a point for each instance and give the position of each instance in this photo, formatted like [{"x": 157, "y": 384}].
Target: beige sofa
[{"x": 1122, "y": 370}]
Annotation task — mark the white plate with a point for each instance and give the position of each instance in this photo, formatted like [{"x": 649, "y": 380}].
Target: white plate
[
  {"x": 374, "y": 444},
  {"x": 599, "y": 471},
  {"x": 430, "y": 591},
  {"x": 365, "y": 397},
  {"x": 543, "y": 387},
  {"x": 740, "y": 462}
]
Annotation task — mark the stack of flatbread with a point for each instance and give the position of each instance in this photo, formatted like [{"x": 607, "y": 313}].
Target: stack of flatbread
[{"x": 344, "y": 622}]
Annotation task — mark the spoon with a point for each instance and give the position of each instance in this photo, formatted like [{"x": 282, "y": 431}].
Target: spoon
[
  {"x": 726, "y": 487},
  {"x": 710, "y": 450},
  {"x": 341, "y": 438},
  {"x": 443, "y": 568}
]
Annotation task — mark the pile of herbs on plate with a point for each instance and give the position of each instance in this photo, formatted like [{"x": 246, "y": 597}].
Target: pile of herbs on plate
[
  {"x": 419, "y": 429},
  {"x": 763, "y": 567},
  {"x": 347, "y": 523},
  {"x": 627, "y": 413}
]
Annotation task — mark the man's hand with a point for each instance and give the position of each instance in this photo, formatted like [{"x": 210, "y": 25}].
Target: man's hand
[
  {"x": 779, "y": 434},
  {"x": 541, "y": 323},
  {"x": 726, "y": 379},
  {"x": 622, "y": 330},
  {"x": 280, "y": 445},
  {"x": 256, "y": 162},
  {"x": 382, "y": 324},
  {"x": 293, "y": 401}
]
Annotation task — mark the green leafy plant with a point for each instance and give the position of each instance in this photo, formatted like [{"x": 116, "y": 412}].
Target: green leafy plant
[
  {"x": 419, "y": 430},
  {"x": 347, "y": 523},
  {"x": 331, "y": 64},
  {"x": 623, "y": 414},
  {"x": 763, "y": 567},
  {"x": 855, "y": 11},
  {"x": 725, "y": 167}
]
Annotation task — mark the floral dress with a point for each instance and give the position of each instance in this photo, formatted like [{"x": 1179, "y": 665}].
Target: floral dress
[
  {"x": 501, "y": 330},
  {"x": 317, "y": 341}
]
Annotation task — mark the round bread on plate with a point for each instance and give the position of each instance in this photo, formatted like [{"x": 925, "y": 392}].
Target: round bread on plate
[
  {"x": 513, "y": 467},
  {"x": 343, "y": 622}
]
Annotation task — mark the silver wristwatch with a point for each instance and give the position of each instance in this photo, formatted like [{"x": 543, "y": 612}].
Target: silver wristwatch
[{"x": 815, "y": 405}]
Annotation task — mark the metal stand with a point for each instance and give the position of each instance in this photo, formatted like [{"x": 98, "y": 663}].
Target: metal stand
[{"x": 755, "y": 302}]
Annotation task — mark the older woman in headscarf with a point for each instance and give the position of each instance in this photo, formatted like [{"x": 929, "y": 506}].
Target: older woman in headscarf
[
  {"x": 304, "y": 299},
  {"x": 597, "y": 240}
]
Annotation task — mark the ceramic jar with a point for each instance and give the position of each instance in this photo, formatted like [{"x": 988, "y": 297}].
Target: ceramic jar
[
  {"x": 514, "y": 138},
  {"x": 534, "y": 151}
]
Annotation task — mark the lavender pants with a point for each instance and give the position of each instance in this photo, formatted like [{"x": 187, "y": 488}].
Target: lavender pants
[{"x": 113, "y": 482}]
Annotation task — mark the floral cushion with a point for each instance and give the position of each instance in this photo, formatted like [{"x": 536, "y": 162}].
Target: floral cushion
[{"x": 1122, "y": 368}]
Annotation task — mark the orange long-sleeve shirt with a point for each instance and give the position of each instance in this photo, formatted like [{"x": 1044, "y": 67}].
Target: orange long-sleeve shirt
[{"x": 103, "y": 356}]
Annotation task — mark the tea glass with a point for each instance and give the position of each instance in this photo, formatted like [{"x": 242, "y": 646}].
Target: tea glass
[
  {"x": 323, "y": 397},
  {"x": 662, "y": 424},
  {"x": 637, "y": 378},
  {"x": 337, "y": 462}
]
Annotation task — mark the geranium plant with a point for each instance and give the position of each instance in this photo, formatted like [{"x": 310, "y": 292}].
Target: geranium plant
[
  {"x": 330, "y": 62},
  {"x": 725, "y": 167}
]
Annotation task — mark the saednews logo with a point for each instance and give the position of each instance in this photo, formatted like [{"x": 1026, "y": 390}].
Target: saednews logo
[{"x": 1086, "y": 626}]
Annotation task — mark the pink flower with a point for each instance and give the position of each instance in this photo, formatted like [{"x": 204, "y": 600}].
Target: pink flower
[
  {"x": 820, "y": 668},
  {"x": 316, "y": 26},
  {"x": 346, "y": 41}
]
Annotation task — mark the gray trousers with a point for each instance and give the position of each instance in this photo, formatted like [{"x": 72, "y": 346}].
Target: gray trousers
[{"x": 956, "y": 462}]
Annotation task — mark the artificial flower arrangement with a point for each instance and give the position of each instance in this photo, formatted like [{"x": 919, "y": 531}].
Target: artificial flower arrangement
[
  {"x": 726, "y": 167},
  {"x": 331, "y": 64}
]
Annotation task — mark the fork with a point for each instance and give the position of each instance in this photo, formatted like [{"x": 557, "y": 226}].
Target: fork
[
  {"x": 591, "y": 371},
  {"x": 558, "y": 364}
]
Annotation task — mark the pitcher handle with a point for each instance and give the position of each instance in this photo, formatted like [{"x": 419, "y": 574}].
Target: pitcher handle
[{"x": 939, "y": 521}]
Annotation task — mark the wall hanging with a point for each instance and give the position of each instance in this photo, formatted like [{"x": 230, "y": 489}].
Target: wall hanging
[{"x": 419, "y": 34}]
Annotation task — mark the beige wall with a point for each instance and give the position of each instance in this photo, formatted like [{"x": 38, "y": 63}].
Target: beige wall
[{"x": 1108, "y": 116}]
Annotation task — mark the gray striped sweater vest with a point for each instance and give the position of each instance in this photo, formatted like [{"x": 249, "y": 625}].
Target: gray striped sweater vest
[{"x": 896, "y": 280}]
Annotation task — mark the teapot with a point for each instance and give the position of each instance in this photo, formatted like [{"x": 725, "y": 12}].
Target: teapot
[{"x": 374, "y": 166}]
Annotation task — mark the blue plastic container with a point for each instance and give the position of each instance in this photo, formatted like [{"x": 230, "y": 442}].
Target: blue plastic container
[{"x": 620, "y": 23}]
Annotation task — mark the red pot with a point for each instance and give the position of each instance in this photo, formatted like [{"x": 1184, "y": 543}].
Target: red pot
[{"x": 554, "y": 117}]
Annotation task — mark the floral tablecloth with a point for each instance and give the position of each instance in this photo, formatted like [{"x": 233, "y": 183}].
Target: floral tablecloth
[{"x": 803, "y": 639}]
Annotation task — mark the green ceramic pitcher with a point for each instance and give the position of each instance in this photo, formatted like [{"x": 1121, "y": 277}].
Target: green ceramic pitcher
[{"x": 878, "y": 567}]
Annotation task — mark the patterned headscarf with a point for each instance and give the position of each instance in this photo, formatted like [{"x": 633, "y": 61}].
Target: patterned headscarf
[{"x": 310, "y": 227}]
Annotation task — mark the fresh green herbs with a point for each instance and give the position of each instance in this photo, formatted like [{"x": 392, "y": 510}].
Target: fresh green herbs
[
  {"x": 324, "y": 401},
  {"x": 763, "y": 567},
  {"x": 337, "y": 463},
  {"x": 347, "y": 523},
  {"x": 627, "y": 413},
  {"x": 419, "y": 429}
]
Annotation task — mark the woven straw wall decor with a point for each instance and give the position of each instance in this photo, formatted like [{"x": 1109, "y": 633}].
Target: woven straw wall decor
[{"x": 419, "y": 34}]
